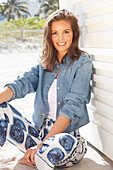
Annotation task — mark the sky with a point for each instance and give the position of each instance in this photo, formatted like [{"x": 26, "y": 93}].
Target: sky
[{"x": 3, "y": 1}]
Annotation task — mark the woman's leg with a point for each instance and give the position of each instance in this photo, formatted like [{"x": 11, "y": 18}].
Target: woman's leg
[
  {"x": 56, "y": 151},
  {"x": 19, "y": 131},
  {"x": 81, "y": 148},
  {"x": 62, "y": 150},
  {"x": 16, "y": 129}
]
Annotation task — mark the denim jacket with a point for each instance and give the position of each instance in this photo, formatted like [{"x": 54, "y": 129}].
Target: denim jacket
[{"x": 73, "y": 90}]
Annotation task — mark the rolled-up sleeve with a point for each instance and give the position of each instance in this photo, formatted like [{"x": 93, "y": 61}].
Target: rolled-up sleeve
[
  {"x": 79, "y": 95},
  {"x": 28, "y": 83}
]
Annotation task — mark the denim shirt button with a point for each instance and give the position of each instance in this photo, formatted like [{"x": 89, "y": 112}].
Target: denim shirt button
[
  {"x": 45, "y": 100},
  {"x": 59, "y": 103},
  {"x": 42, "y": 114},
  {"x": 58, "y": 88}
]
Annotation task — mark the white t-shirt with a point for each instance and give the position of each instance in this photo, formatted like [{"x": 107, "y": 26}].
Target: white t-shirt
[{"x": 52, "y": 100}]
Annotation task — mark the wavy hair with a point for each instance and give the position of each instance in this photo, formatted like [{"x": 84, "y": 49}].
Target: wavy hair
[{"x": 48, "y": 51}]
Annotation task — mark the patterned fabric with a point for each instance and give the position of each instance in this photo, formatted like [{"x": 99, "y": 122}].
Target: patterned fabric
[
  {"x": 61, "y": 150},
  {"x": 16, "y": 129}
]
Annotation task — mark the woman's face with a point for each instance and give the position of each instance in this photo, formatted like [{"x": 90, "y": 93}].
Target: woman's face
[{"x": 62, "y": 36}]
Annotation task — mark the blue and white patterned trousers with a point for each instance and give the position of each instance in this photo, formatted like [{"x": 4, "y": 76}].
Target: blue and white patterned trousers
[{"x": 61, "y": 150}]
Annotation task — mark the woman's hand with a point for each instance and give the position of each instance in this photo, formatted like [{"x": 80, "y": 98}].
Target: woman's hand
[
  {"x": 6, "y": 94},
  {"x": 28, "y": 158},
  {"x": 59, "y": 126},
  {"x": 30, "y": 154}
]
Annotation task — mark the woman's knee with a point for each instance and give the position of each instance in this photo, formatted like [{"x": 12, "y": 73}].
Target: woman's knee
[{"x": 57, "y": 148}]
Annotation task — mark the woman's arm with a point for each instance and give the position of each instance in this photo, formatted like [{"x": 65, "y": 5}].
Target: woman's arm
[
  {"x": 25, "y": 84},
  {"x": 6, "y": 94},
  {"x": 59, "y": 126},
  {"x": 79, "y": 94}
]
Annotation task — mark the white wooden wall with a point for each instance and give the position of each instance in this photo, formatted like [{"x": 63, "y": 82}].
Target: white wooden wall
[{"x": 96, "y": 25}]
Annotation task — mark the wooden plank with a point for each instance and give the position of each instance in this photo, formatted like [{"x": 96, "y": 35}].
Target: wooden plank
[
  {"x": 103, "y": 79},
  {"x": 97, "y": 40},
  {"x": 97, "y": 43},
  {"x": 103, "y": 96},
  {"x": 102, "y": 108},
  {"x": 99, "y": 51},
  {"x": 98, "y": 137},
  {"x": 102, "y": 82},
  {"x": 103, "y": 72},
  {"x": 81, "y": 8},
  {"x": 102, "y": 65},
  {"x": 99, "y": 27},
  {"x": 101, "y": 121},
  {"x": 99, "y": 35},
  {"x": 104, "y": 86},
  {"x": 102, "y": 93},
  {"x": 83, "y": 20},
  {"x": 101, "y": 58},
  {"x": 100, "y": 12}
]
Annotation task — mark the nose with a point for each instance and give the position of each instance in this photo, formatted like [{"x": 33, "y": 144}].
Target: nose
[{"x": 61, "y": 36}]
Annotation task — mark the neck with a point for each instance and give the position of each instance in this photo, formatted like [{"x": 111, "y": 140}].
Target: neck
[{"x": 60, "y": 57}]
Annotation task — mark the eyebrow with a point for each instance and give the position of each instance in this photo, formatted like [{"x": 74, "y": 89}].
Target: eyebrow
[{"x": 64, "y": 30}]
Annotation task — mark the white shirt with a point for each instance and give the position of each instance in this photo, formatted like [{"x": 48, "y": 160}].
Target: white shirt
[{"x": 52, "y": 100}]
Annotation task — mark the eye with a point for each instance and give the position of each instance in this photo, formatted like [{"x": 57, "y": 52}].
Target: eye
[
  {"x": 54, "y": 33},
  {"x": 66, "y": 31}
]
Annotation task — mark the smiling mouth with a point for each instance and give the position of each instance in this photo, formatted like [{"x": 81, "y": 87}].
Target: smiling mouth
[{"x": 61, "y": 44}]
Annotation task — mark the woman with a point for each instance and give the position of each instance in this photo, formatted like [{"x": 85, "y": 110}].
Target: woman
[{"x": 62, "y": 84}]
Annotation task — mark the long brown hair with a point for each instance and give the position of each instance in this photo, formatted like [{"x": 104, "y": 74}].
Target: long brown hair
[{"x": 49, "y": 52}]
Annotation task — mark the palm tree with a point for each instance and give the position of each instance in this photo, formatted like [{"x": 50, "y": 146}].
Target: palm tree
[
  {"x": 2, "y": 11},
  {"x": 12, "y": 7},
  {"x": 48, "y": 6}
]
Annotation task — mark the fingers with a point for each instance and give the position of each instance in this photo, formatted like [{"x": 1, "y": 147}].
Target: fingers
[
  {"x": 32, "y": 157},
  {"x": 29, "y": 155}
]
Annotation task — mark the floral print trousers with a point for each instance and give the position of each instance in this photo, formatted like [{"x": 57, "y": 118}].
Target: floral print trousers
[{"x": 61, "y": 150}]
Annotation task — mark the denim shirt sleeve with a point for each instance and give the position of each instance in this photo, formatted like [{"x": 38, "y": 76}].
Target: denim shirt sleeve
[
  {"x": 79, "y": 95},
  {"x": 28, "y": 83}
]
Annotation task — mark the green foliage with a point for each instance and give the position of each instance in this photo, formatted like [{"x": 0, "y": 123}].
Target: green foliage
[
  {"x": 48, "y": 6},
  {"x": 24, "y": 24},
  {"x": 11, "y": 7}
]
